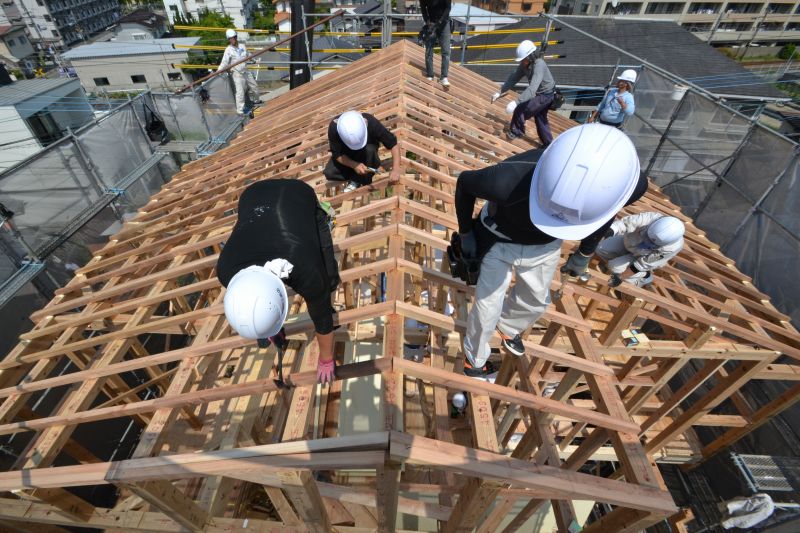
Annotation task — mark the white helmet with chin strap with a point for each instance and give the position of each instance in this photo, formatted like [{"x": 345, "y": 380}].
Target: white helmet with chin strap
[
  {"x": 628, "y": 75},
  {"x": 665, "y": 230},
  {"x": 524, "y": 49},
  {"x": 582, "y": 180},
  {"x": 352, "y": 129},
  {"x": 256, "y": 303},
  {"x": 229, "y": 34}
]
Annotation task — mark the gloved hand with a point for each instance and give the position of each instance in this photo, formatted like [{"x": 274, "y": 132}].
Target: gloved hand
[
  {"x": 576, "y": 264},
  {"x": 325, "y": 371},
  {"x": 495, "y": 97},
  {"x": 469, "y": 245}
]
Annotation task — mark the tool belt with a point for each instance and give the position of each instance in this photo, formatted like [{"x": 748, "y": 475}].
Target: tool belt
[{"x": 468, "y": 269}]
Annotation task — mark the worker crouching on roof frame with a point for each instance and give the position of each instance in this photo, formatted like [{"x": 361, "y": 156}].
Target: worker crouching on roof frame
[{"x": 282, "y": 236}]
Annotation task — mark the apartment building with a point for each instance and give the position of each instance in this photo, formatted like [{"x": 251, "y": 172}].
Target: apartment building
[
  {"x": 241, "y": 11},
  {"x": 722, "y": 23},
  {"x": 60, "y": 23}
]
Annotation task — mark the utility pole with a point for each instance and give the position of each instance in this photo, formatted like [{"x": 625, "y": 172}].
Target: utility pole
[{"x": 300, "y": 54}]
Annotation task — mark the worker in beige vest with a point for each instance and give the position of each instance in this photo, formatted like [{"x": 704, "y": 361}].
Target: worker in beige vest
[
  {"x": 638, "y": 244},
  {"x": 242, "y": 79}
]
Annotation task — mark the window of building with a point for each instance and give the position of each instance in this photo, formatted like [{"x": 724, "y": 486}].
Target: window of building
[
  {"x": 623, "y": 8},
  {"x": 175, "y": 76},
  {"x": 140, "y": 36},
  {"x": 11, "y": 41},
  {"x": 666, "y": 8},
  {"x": 584, "y": 8},
  {"x": 48, "y": 18},
  {"x": 779, "y": 9},
  {"x": 44, "y": 127},
  {"x": 704, "y": 8},
  {"x": 22, "y": 39},
  {"x": 39, "y": 3},
  {"x": 55, "y": 33},
  {"x": 100, "y": 82},
  {"x": 138, "y": 78},
  {"x": 749, "y": 7}
]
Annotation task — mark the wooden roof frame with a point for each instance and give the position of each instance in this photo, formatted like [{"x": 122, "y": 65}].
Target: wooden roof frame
[{"x": 576, "y": 390}]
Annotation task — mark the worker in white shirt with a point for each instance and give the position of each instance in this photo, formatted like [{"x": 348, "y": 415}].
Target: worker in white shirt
[
  {"x": 617, "y": 104},
  {"x": 242, "y": 79},
  {"x": 638, "y": 244}
]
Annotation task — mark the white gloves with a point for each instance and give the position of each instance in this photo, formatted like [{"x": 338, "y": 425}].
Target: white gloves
[
  {"x": 280, "y": 267},
  {"x": 511, "y": 107},
  {"x": 495, "y": 96}
]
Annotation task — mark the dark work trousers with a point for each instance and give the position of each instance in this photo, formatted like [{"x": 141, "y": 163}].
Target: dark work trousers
[
  {"x": 442, "y": 36},
  {"x": 337, "y": 172},
  {"x": 537, "y": 108},
  {"x": 617, "y": 125}
]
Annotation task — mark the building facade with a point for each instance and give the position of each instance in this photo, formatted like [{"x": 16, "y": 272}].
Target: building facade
[
  {"x": 15, "y": 47},
  {"x": 36, "y": 113},
  {"x": 61, "y": 23},
  {"x": 721, "y": 23},
  {"x": 241, "y": 11},
  {"x": 119, "y": 65}
]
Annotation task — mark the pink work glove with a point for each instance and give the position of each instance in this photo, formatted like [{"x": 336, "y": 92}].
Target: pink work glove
[{"x": 325, "y": 371}]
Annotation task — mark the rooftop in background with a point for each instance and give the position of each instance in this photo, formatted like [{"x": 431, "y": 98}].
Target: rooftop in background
[
  {"x": 662, "y": 43},
  {"x": 22, "y": 90},
  {"x": 5, "y": 28},
  {"x": 144, "y": 17},
  {"x": 128, "y": 48},
  {"x": 459, "y": 11}
]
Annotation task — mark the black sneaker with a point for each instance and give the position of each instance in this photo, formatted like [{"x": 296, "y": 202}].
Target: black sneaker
[
  {"x": 510, "y": 135},
  {"x": 479, "y": 373},
  {"x": 513, "y": 344}
]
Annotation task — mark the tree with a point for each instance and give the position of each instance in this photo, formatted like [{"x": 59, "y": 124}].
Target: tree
[
  {"x": 787, "y": 51},
  {"x": 209, "y": 19}
]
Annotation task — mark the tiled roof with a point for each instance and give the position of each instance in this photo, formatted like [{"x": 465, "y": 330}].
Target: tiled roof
[
  {"x": 128, "y": 48},
  {"x": 662, "y": 43}
]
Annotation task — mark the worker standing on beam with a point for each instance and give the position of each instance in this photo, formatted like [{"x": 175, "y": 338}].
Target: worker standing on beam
[
  {"x": 353, "y": 138},
  {"x": 533, "y": 200},
  {"x": 282, "y": 235},
  {"x": 535, "y": 101},
  {"x": 436, "y": 15},
  {"x": 242, "y": 79},
  {"x": 618, "y": 103},
  {"x": 638, "y": 244}
]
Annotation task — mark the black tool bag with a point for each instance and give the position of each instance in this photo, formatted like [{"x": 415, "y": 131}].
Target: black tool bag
[
  {"x": 558, "y": 100},
  {"x": 468, "y": 269},
  {"x": 156, "y": 129}
]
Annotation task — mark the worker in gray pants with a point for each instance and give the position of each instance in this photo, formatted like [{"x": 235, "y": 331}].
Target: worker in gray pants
[
  {"x": 533, "y": 201},
  {"x": 638, "y": 244}
]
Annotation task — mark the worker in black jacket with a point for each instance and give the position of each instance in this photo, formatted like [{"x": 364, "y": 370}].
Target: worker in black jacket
[
  {"x": 353, "y": 138},
  {"x": 281, "y": 237},
  {"x": 533, "y": 200},
  {"x": 436, "y": 15}
]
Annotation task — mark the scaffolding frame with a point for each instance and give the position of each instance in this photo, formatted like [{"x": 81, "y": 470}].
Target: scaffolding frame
[{"x": 219, "y": 426}]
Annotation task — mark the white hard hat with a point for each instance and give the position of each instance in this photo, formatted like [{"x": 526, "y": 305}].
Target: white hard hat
[
  {"x": 352, "y": 129},
  {"x": 582, "y": 180},
  {"x": 230, "y": 33},
  {"x": 524, "y": 49},
  {"x": 459, "y": 400},
  {"x": 628, "y": 75},
  {"x": 665, "y": 230},
  {"x": 256, "y": 303},
  {"x": 511, "y": 107}
]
